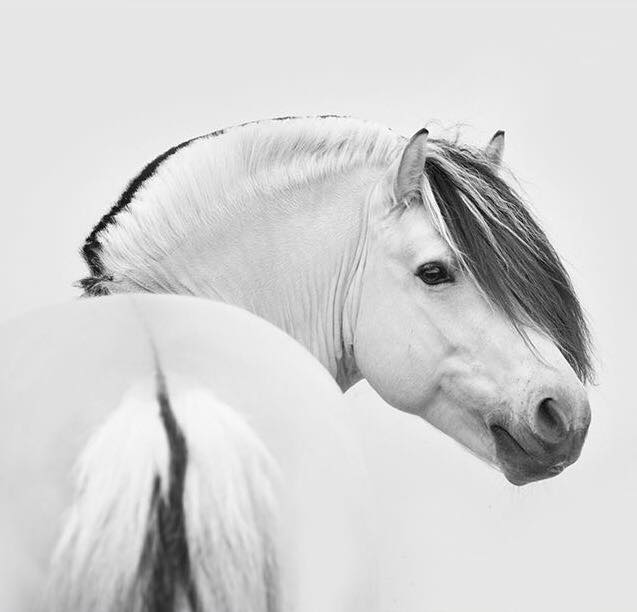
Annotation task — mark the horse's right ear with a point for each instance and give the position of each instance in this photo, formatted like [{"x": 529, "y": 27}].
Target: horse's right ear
[{"x": 409, "y": 176}]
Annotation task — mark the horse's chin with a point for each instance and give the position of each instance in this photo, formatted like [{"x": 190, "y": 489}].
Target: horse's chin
[{"x": 519, "y": 478}]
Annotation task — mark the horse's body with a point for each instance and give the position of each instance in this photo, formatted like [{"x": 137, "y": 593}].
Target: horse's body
[
  {"x": 215, "y": 470},
  {"x": 413, "y": 264},
  {"x": 410, "y": 263}
]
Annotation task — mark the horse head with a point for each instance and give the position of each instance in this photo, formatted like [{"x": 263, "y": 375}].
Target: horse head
[{"x": 467, "y": 318}]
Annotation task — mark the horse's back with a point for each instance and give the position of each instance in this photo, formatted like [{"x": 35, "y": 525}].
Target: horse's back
[{"x": 64, "y": 370}]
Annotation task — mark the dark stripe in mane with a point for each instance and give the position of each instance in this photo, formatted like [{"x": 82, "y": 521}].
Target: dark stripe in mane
[
  {"x": 92, "y": 246},
  {"x": 165, "y": 556},
  {"x": 506, "y": 251}
]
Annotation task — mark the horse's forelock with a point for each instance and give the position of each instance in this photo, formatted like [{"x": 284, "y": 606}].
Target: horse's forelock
[{"x": 503, "y": 248}]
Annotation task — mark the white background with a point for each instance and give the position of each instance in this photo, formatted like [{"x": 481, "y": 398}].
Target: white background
[{"x": 89, "y": 94}]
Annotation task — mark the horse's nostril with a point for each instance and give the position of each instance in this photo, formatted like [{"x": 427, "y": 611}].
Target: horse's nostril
[{"x": 549, "y": 421}]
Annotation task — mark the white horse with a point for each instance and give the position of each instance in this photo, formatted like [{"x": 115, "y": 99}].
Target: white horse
[
  {"x": 413, "y": 264},
  {"x": 214, "y": 471}
]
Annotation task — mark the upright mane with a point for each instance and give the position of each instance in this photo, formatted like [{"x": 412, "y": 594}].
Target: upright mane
[
  {"x": 482, "y": 217},
  {"x": 254, "y": 157},
  {"x": 497, "y": 240}
]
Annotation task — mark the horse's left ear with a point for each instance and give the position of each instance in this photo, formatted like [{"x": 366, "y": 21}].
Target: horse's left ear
[
  {"x": 412, "y": 166},
  {"x": 495, "y": 149}
]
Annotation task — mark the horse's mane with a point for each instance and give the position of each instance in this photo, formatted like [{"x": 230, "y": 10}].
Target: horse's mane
[
  {"x": 258, "y": 156},
  {"x": 482, "y": 217}
]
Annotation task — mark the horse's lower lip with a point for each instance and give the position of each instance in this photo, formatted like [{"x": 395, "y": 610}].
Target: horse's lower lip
[
  {"x": 518, "y": 464},
  {"x": 507, "y": 441},
  {"x": 556, "y": 469}
]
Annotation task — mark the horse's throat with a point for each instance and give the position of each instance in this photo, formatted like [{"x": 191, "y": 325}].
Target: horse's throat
[
  {"x": 307, "y": 294},
  {"x": 299, "y": 272}
]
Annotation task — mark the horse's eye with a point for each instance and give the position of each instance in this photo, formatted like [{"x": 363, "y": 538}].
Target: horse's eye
[{"x": 434, "y": 273}]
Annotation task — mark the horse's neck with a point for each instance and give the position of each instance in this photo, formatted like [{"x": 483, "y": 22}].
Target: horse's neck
[{"x": 293, "y": 259}]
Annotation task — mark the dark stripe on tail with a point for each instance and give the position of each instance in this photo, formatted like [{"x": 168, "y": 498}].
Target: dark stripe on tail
[{"x": 165, "y": 560}]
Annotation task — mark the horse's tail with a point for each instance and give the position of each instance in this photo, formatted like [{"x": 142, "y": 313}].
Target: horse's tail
[{"x": 174, "y": 512}]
